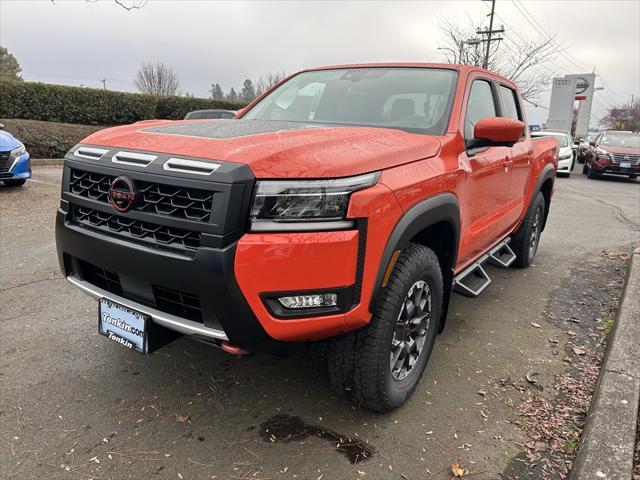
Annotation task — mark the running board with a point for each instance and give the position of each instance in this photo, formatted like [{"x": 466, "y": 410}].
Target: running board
[
  {"x": 502, "y": 255},
  {"x": 472, "y": 281}
]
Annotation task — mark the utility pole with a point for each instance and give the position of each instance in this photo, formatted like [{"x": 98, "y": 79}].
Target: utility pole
[
  {"x": 104, "y": 83},
  {"x": 489, "y": 33}
]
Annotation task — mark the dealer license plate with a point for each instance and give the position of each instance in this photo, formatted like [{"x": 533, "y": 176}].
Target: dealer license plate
[
  {"x": 625, "y": 164},
  {"x": 123, "y": 325}
]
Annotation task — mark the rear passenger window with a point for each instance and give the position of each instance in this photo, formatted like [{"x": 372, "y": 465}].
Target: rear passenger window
[
  {"x": 509, "y": 103},
  {"x": 481, "y": 104}
]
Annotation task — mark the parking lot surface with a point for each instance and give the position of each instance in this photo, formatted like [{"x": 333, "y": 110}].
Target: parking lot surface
[{"x": 74, "y": 405}]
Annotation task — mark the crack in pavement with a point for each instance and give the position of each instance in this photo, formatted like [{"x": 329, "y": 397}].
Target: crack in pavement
[
  {"x": 620, "y": 213},
  {"x": 25, "y": 284}
]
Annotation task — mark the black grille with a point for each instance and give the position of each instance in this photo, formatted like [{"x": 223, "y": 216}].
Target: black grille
[
  {"x": 131, "y": 229},
  {"x": 158, "y": 198},
  {"x": 167, "y": 300},
  {"x": 620, "y": 157},
  {"x": 178, "y": 303},
  {"x": 100, "y": 277},
  {"x": 4, "y": 162}
]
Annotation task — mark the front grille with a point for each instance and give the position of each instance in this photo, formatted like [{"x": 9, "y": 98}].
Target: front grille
[
  {"x": 631, "y": 157},
  {"x": 4, "y": 161},
  {"x": 167, "y": 300},
  {"x": 136, "y": 230},
  {"x": 161, "y": 199}
]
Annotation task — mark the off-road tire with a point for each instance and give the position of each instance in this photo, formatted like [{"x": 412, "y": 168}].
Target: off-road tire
[
  {"x": 359, "y": 362},
  {"x": 14, "y": 182},
  {"x": 521, "y": 240}
]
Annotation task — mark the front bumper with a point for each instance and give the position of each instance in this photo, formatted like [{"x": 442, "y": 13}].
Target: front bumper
[
  {"x": 19, "y": 169},
  {"x": 564, "y": 164},
  {"x": 614, "y": 168},
  {"x": 230, "y": 283}
]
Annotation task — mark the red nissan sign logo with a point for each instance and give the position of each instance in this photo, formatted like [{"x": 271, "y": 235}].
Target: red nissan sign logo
[{"x": 122, "y": 194}]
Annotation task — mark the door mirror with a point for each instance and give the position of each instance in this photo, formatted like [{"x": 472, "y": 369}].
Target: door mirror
[
  {"x": 592, "y": 143},
  {"x": 1, "y": 126},
  {"x": 498, "y": 131}
]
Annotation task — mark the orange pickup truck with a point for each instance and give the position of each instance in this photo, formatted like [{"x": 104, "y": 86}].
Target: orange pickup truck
[{"x": 344, "y": 205}]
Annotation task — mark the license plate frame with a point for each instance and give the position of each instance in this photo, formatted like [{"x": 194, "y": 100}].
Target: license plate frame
[{"x": 124, "y": 325}]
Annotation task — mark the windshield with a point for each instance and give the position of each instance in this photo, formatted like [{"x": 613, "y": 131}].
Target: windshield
[
  {"x": 590, "y": 137},
  {"x": 412, "y": 99},
  {"x": 632, "y": 141},
  {"x": 563, "y": 140}
]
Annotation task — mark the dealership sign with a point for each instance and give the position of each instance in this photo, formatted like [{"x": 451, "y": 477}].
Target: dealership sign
[{"x": 566, "y": 90}]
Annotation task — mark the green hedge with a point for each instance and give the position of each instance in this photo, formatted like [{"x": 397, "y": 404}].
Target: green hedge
[{"x": 91, "y": 106}]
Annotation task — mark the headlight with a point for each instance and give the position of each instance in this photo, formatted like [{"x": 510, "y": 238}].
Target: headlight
[
  {"x": 564, "y": 157},
  {"x": 603, "y": 154},
  {"x": 16, "y": 152},
  {"x": 285, "y": 205}
]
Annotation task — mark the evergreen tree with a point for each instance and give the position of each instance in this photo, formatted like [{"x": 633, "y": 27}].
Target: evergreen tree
[
  {"x": 232, "y": 96},
  {"x": 248, "y": 91},
  {"x": 216, "y": 91}
]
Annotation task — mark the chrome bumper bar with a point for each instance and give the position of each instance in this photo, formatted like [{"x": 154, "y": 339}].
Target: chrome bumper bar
[{"x": 161, "y": 318}]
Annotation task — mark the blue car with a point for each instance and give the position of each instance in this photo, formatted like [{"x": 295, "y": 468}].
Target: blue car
[{"x": 15, "y": 167}]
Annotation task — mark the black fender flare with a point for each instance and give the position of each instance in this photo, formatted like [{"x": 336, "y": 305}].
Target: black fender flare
[
  {"x": 548, "y": 172},
  {"x": 442, "y": 207}
]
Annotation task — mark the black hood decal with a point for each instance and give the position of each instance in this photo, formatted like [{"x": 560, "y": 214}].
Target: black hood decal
[{"x": 229, "y": 128}]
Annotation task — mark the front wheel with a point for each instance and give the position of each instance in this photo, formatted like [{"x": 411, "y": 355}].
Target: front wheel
[
  {"x": 591, "y": 173},
  {"x": 525, "y": 241},
  {"x": 381, "y": 364}
]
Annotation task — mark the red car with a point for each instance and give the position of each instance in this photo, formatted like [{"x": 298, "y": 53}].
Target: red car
[
  {"x": 614, "y": 152},
  {"x": 344, "y": 205}
]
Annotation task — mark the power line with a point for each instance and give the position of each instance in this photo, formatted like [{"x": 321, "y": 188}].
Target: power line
[{"x": 528, "y": 16}]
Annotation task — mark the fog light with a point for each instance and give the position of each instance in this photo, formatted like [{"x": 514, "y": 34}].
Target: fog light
[{"x": 310, "y": 301}]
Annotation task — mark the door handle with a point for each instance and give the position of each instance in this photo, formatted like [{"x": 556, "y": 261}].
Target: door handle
[{"x": 507, "y": 163}]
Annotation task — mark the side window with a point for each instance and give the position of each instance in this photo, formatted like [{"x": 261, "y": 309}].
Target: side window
[
  {"x": 481, "y": 104},
  {"x": 509, "y": 103}
]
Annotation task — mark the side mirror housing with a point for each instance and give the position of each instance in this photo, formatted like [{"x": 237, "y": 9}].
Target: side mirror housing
[
  {"x": 592, "y": 143},
  {"x": 498, "y": 131},
  {"x": 1, "y": 126}
]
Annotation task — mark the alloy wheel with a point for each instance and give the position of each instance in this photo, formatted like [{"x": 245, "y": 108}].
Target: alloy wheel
[{"x": 410, "y": 331}]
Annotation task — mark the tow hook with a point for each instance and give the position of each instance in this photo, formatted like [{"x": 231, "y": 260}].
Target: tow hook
[{"x": 232, "y": 349}]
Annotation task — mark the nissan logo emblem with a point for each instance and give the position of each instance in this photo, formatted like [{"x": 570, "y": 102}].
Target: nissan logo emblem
[{"x": 122, "y": 194}]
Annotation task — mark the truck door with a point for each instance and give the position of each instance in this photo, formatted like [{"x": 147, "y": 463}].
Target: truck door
[
  {"x": 489, "y": 172},
  {"x": 521, "y": 154}
]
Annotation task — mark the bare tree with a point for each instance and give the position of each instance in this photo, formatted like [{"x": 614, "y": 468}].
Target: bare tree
[
  {"x": 269, "y": 80},
  {"x": 518, "y": 63},
  {"x": 128, "y": 5},
  {"x": 157, "y": 79}
]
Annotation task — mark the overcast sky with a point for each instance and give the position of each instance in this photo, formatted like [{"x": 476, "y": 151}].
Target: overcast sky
[{"x": 80, "y": 42}]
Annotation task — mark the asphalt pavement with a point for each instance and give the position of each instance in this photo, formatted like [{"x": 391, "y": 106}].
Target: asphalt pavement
[{"x": 74, "y": 405}]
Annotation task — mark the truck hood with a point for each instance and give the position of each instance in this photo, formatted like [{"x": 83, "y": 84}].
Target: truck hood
[{"x": 275, "y": 149}]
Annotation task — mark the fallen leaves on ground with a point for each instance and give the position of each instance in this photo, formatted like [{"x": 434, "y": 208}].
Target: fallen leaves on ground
[
  {"x": 182, "y": 417},
  {"x": 457, "y": 469},
  {"x": 579, "y": 350}
]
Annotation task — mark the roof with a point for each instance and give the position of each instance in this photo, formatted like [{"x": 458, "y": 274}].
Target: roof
[{"x": 449, "y": 66}]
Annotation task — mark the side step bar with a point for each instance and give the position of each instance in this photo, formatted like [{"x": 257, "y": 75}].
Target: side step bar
[{"x": 472, "y": 281}]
